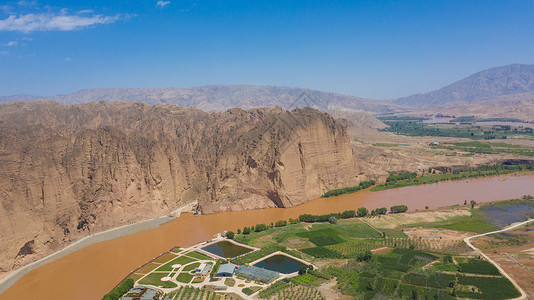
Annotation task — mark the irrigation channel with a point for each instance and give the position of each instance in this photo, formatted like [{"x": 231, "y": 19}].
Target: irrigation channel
[{"x": 91, "y": 272}]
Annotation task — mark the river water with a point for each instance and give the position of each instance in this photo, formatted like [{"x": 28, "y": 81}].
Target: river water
[{"x": 92, "y": 271}]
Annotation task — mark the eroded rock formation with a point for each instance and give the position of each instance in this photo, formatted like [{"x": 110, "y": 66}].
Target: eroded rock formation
[{"x": 69, "y": 171}]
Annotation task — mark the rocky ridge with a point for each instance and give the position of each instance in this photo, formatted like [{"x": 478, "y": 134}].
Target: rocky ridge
[{"x": 72, "y": 170}]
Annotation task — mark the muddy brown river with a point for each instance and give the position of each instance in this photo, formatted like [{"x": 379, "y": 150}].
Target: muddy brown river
[{"x": 93, "y": 271}]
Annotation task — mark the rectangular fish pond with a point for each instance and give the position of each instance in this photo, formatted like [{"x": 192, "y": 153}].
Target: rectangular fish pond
[
  {"x": 280, "y": 263},
  {"x": 226, "y": 249}
]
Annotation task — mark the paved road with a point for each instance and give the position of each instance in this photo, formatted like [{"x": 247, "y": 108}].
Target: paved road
[{"x": 467, "y": 240}]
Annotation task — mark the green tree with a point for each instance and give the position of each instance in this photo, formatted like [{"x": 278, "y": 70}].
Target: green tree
[
  {"x": 364, "y": 255},
  {"x": 246, "y": 230},
  {"x": 230, "y": 235},
  {"x": 362, "y": 212},
  {"x": 332, "y": 220}
]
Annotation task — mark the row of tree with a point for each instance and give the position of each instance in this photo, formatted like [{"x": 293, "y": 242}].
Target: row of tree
[
  {"x": 309, "y": 218},
  {"x": 361, "y": 212},
  {"x": 363, "y": 185}
]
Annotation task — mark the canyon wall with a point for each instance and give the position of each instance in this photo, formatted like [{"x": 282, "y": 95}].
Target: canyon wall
[{"x": 68, "y": 171}]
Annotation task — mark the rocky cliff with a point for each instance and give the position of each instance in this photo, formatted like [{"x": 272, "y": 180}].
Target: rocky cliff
[{"x": 72, "y": 170}]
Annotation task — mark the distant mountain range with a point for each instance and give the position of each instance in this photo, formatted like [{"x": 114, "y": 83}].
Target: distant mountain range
[
  {"x": 507, "y": 80},
  {"x": 487, "y": 84},
  {"x": 222, "y": 97}
]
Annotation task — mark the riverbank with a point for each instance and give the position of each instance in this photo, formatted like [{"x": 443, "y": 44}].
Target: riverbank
[
  {"x": 460, "y": 174},
  {"x": 129, "y": 229},
  {"x": 94, "y": 270}
]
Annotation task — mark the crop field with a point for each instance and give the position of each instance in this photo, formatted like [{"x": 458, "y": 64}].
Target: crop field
[
  {"x": 322, "y": 237},
  {"x": 252, "y": 256},
  {"x": 191, "y": 293},
  {"x": 352, "y": 247},
  {"x": 474, "y": 132},
  {"x": 487, "y": 148},
  {"x": 274, "y": 289},
  {"x": 477, "y": 266},
  {"x": 308, "y": 279},
  {"x": 435, "y": 280},
  {"x": 298, "y": 293},
  {"x": 486, "y": 288}
]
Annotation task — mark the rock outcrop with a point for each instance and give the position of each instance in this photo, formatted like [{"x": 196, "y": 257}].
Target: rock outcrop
[{"x": 71, "y": 170}]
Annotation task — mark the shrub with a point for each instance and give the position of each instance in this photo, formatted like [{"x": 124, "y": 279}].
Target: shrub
[
  {"x": 281, "y": 223},
  {"x": 381, "y": 211},
  {"x": 261, "y": 227},
  {"x": 246, "y": 230},
  {"x": 348, "y": 214},
  {"x": 362, "y": 212},
  {"x": 399, "y": 209},
  {"x": 332, "y": 220}
]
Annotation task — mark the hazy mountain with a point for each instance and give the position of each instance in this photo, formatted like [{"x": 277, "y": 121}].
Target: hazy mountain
[
  {"x": 222, "y": 97},
  {"x": 22, "y": 97},
  {"x": 507, "y": 80}
]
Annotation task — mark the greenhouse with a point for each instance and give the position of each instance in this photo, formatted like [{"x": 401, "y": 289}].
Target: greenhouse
[{"x": 256, "y": 274}]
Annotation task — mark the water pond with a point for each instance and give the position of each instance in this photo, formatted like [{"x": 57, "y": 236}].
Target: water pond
[
  {"x": 280, "y": 263},
  {"x": 226, "y": 249}
]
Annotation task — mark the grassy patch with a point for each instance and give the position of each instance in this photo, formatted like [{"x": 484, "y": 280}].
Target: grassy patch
[
  {"x": 184, "y": 277},
  {"x": 182, "y": 260},
  {"x": 155, "y": 280},
  {"x": 199, "y": 256},
  {"x": 476, "y": 222},
  {"x": 190, "y": 267},
  {"x": 229, "y": 282},
  {"x": 304, "y": 279},
  {"x": 251, "y": 290}
]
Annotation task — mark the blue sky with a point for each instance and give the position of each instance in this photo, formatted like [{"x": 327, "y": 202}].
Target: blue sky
[{"x": 376, "y": 49}]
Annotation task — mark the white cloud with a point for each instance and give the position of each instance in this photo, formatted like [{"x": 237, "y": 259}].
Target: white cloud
[
  {"x": 50, "y": 22},
  {"x": 27, "y": 3},
  {"x": 4, "y": 53},
  {"x": 68, "y": 59},
  {"x": 163, "y": 3},
  {"x": 12, "y": 43}
]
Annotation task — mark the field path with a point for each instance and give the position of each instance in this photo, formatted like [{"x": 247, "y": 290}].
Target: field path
[{"x": 467, "y": 240}]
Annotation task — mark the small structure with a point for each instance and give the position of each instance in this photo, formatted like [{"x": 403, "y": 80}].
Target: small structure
[
  {"x": 430, "y": 237},
  {"x": 257, "y": 274},
  {"x": 203, "y": 269},
  {"x": 142, "y": 293},
  {"x": 226, "y": 270}
]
